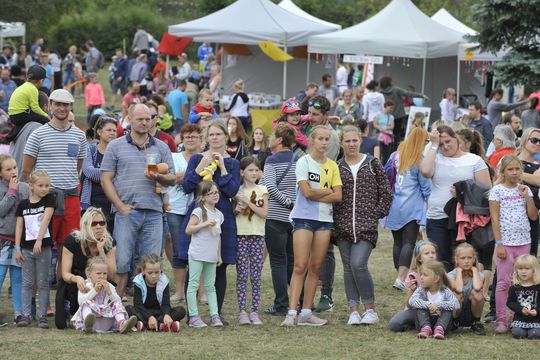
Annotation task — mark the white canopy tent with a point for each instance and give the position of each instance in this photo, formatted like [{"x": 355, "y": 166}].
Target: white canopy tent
[
  {"x": 9, "y": 30},
  {"x": 250, "y": 22},
  {"x": 293, "y": 8},
  {"x": 466, "y": 51},
  {"x": 400, "y": 29}
]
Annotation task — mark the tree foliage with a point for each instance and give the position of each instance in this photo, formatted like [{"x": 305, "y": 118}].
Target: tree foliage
[{"x": 511, "y": 25}]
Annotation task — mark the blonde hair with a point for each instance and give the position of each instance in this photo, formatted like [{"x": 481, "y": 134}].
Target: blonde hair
[
  {"x": 4, "y": 157},
  {"x": 465, "y": 246},
  {"x": 410, "y": 150},
  {"x": 149, "y": 259},
  {"x": 438, "y": 269},
  {"x": 448, "y": 91},
  {"x": 204, "y": 92},
  {"x": 316, "y": 129},
  {"x": 36, "y": 175},
  {"x": 437, "y": 123},
  {"x": 239, "y": 84},
  {"x": 86, "y": 235},
  {"x": 505, "y": 161},
  {"x": 417, "y": 260},
  {"x": 93, "y": 261},
  {"x": 527, "y": 133},
  {"x": 526, "y": 261}
]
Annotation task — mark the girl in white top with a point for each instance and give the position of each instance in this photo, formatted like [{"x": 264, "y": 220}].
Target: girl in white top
[
  {"x": 511, "y": 206},
  {"x": 445, "y": 164},
  {"x": 448, "y": 106}
]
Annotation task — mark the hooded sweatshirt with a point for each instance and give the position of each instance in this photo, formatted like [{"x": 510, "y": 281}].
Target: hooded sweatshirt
[{"x": 396, "y": 94}]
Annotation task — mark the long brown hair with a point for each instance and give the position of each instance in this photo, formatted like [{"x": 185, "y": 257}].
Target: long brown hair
[
  {"x": 203, "y": 188},
  {"x": 240, "y": 131},
  {"x": 410, "y": 150}
]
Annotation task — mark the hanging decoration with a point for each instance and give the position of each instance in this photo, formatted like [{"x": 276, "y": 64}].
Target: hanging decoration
[{"x": 274, "y": 52}]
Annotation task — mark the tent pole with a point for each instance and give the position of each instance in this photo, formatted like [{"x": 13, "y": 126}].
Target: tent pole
[
  {"x": 284, "y": 74},
  {"x": 423, "y": 75},
  {"x": 458, "y": 79},
  {"x": 167, "y": 68},
  {"x": 308, "y": 63}
]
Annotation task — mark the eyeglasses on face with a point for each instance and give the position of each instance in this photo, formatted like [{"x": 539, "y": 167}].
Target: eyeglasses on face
[
  {"x": 100, "y": 223},
  {"x": 212, "y": 193}
]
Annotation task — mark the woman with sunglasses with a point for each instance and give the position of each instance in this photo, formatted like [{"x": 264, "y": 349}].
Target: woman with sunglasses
[
  {"x": 92, "y": 193},
  {"x": 445, "y": 164},
  {"x": 91, "y": 240},
  {"x": 227, "y": 178},
  {"x": 529, "y": 148}
]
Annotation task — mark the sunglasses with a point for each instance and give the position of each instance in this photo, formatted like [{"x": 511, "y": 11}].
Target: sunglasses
[
  {"x": 100, "y": 223},
  {"x": 154, "y": 116},
  {"x": 534, "y": 140},
  {"x": 315, "y": 104}
]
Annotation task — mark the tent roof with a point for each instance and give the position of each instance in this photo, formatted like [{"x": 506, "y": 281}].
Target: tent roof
[
  {"x": 16, "y": 29},
  {"x": 250, "y": 22},
  {"x": 400, "y": 29},
  {"x": 292, "y": 7},
  {"x": 443, "y": 17}
]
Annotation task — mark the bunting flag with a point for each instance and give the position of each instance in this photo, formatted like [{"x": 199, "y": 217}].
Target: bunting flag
[
  {"x": 173, "y": 45},
  {"x": 274, "y": 52}
]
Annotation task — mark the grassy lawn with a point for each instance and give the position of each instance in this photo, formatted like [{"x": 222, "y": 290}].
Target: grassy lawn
[{"x": 336, "y": 341}]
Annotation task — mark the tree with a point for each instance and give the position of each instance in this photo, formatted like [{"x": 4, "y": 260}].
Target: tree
[{"x": 511, "y": 25}]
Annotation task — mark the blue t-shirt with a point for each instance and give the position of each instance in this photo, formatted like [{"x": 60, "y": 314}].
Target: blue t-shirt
[
  {"x": 49, "y": 73},
  {"x": 176, "y": 99},
  {"x": 384, "y": 119}
]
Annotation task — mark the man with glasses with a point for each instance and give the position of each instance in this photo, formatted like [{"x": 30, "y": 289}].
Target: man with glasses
[
  {"x": 131, "y": 188},
  {"x": 59, "y": 148}
]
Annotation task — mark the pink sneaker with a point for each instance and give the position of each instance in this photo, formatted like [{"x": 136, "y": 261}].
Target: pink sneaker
[
  {"x": 438, "y": 333},
  {"x": 424, "y": 333},
  {"x": 501, "y": 328}
]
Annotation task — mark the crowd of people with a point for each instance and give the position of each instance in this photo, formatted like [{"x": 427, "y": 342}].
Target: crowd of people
[{"x": 173, "y": 176}]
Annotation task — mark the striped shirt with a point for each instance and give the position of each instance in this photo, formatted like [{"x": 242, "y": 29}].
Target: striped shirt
[
  {"x": 128, "y": 161},
  {"x": 57, "y": 152},
  {"x": 282, "y": 195}
]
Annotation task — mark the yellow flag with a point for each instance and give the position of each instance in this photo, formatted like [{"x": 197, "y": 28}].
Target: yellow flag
[{"x": 274, "y": 52}]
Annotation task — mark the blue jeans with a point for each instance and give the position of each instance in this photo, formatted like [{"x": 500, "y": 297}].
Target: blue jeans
[
  {"x": 138, "y": 229},
  {"x": 15, "y": 276},
  {"x": 175, "y": 228}
]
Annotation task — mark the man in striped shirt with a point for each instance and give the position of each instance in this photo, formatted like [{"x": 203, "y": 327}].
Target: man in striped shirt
[
  {"x": 59, "y": 148},
  {"x": 280, "y": 180}
]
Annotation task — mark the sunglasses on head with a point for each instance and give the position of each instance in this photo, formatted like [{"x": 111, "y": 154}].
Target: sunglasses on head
[
  {"x": 100, "y": 223},
  {"x": 315, "y": 104},
  {"x": 534, "y": 140}
]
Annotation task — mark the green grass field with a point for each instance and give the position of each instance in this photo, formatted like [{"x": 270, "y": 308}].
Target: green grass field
[{"x": 270, "y": 341}]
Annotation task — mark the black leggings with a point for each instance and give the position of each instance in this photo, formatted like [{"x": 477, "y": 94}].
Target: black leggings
[
  {"x": 19, "y": 120},
  {"x": 177, "y": 314},
  {"x": 404, "y": 241}
]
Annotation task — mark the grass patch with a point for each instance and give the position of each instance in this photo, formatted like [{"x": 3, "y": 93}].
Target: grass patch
[{"x": 336, "y": 341}]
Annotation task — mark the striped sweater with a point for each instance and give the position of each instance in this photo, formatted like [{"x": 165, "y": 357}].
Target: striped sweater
[
  {"x": 419, "y": 300},
  {"x": 282, "y": 195}
]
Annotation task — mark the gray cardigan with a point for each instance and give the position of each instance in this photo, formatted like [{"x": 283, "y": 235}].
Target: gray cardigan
[{"x": 8, "y": 204}]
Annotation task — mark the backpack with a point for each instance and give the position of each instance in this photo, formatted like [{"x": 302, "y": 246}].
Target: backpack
[{"x": 100, "y": 60}]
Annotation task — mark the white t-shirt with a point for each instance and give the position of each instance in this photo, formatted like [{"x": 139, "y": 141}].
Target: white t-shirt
[
  {"x": 356, "y": 167},
  {"x": 515, "y": 226},
  {"x": 434, "y": 298},
  {"x": 204, "y": 243},
  {"x": 449, "y": 171}
]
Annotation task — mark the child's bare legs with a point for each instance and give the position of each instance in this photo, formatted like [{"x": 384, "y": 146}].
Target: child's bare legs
[
  {"x": 301, "y": 246},
  {"x": 477, "y": 303},
  {"x": 319, "y": 247}
]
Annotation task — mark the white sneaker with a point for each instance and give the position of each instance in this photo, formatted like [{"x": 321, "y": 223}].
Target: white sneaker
[
  {"x": 399, "y": 285},
  {"x": 354, "y": 318},
  {"x": 290, "y": 321},
  {"x": 369, "y": 317},
  {"x": 310, "y": 320}
]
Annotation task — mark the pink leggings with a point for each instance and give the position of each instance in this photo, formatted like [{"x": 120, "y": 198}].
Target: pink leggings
[{"x": 505, "y": 268}]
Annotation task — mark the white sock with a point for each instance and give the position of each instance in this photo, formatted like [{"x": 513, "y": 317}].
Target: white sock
[
  {"x": 291, "y": 313},
  {"x": 305, "y": 312}
]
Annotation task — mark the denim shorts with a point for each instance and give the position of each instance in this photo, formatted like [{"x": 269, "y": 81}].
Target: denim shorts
[{"x": 311, "y": 225}]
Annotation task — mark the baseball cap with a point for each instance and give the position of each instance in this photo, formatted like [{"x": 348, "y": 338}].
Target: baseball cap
[
  {"x": 62, "y": 96},
  {"x": 36, "y": 72},
  {"x": 290, "y": 106}
]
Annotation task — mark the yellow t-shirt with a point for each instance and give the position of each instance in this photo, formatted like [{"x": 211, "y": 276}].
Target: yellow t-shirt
[
  {"x": 256, "y": 225},
  {"x": 25, "y": 98}
]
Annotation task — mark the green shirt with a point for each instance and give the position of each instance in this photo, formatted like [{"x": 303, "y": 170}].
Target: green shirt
[{"x": 25, "y": 98}]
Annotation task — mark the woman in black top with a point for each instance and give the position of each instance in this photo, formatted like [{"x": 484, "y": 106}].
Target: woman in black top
[
  {"x": 92, "y": 240},
  {"x": 236, "y": 144}
]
